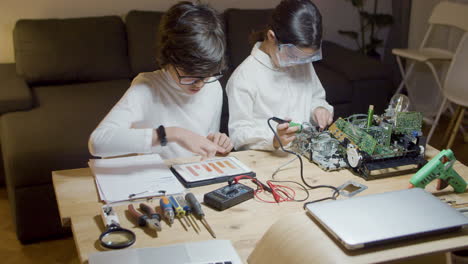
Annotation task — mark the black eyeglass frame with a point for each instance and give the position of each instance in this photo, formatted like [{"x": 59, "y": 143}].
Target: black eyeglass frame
[{"x": 197, "y": 78}]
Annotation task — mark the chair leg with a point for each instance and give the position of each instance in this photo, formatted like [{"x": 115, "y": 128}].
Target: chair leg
[
  {"x": 451, "y": 125},
  {"x": 455, "y": 129},
  {"x": 436, "y": 76},
  {"x": 441, "y": 108},
  {"x": 404, "y": 75}
]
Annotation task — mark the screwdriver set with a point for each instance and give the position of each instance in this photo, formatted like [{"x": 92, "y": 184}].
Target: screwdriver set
[
  {"x": 228, "y": 196},
  {"x": 171, "y": 207}
]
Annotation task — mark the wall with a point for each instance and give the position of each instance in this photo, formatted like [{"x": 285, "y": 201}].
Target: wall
[
  {"x": 424, "y": 92},
  {"x": 337, "y": 14}
]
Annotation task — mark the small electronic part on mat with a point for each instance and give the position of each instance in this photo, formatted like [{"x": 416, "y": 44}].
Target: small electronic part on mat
[
  {"x": 228, "y": 196},
  {"x": 351, "y": 188}
]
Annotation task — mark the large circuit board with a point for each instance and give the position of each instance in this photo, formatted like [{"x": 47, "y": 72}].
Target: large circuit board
[
  {"x": 342, "y": 130},
  {"x": 366, "y": 142}
]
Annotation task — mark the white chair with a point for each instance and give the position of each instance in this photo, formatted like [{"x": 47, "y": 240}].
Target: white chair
[
  {"x": 444, "y": 14},
  {"x": 455, "y": 89}
]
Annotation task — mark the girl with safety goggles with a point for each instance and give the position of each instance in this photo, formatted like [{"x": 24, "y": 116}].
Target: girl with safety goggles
[{"x": 278, "y": 79}]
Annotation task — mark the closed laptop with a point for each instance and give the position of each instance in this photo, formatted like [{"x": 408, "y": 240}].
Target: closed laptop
[
  {"x": 381, "y": 218},
  {"x": 203, "y": 252}
]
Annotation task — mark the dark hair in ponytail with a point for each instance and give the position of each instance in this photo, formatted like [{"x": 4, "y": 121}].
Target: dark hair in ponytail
[{"x": 297, "y": 22}]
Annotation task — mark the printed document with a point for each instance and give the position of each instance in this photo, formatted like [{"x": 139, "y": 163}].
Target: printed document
[{"x": 127, "y": 178}]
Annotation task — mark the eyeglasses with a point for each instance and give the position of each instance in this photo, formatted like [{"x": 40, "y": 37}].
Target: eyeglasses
[
  {"x": 188, "y": 80},
  {"x": 289, "y": 54}
]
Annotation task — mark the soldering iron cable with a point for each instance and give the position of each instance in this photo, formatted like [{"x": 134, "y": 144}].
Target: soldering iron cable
[{"x": 336, "y": 192}]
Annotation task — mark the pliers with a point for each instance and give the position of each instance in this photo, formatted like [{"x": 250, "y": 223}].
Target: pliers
[{"x": 150, "y": 218}]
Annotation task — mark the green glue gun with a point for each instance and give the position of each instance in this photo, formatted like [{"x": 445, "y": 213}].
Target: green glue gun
[
  {"x": 291, "y": 124},
  {"x": 440, "y": 168}
]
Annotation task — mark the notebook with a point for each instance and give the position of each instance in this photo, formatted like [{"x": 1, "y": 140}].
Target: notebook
[
  {"x": 210, "y": 171},
  {"x": 203, "y": 252},
  {"x": 382, "y": 218}
]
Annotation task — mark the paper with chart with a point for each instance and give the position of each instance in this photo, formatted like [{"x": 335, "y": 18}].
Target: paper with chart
[
  {"x": 134, "y": 177},
  {"x": 212, "y": 168}
]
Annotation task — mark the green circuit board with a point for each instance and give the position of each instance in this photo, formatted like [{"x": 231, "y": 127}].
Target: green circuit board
[
  {"x": 407, "y": 122},
  {"x": 355, "y": 134}
]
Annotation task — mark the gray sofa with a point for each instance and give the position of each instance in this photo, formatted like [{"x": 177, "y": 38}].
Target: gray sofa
[{"x": 69, "y": 73}]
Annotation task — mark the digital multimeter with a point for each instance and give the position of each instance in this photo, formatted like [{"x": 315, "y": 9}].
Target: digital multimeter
[{"x": 228, "y": 196}]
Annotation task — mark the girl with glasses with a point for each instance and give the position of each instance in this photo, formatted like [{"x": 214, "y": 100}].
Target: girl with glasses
[
  {"x": 278, "y": 79},
  {"x": 174, "y": 111}
]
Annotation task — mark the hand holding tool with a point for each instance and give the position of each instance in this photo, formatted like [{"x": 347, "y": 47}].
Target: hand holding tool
[
  {"x": 198, "y": 211},
  {"x": 440, "y": 167},
  {"x": 291, "y": 123},
  {"x": 166, "y": 207},
  {"x": 150, "y": 218}
]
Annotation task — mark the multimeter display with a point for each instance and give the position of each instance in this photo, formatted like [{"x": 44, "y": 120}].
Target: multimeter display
[{"x": 228, "y": 196}]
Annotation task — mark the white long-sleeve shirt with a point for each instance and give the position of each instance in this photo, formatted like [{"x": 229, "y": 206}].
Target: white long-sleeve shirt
[
  {"x": 155, "y": 99},
  {"x": 258, "y": 90}
]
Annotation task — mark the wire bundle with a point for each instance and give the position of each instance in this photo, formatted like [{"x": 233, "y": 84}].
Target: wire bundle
[
  {"x": 280, "y": 193},
  {"x": 336, "y": 192}
]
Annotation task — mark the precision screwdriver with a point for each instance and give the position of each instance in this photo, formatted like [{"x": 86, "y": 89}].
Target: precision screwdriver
[
  {"x": 166, "y": 207},
  {"x": 183, "y": 203},
  {"x": 179, "y": 211},
  {"x": 197, "y": 210}
]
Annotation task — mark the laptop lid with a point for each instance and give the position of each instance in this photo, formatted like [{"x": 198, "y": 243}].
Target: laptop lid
[
  {"x": 203, "y": 252},
  {"x": 379, "y": 218}
]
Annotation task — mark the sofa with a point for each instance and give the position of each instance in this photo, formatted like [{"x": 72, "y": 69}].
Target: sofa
[{"x": 70, "y": 72}]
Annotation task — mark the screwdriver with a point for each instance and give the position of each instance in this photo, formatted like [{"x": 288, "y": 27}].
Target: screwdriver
[
  {"x": 179, "y": 211},
  {"x": 166, "y": 207},
  {"x": 197, "y": 210},
  {"x": 183, "y": 203}
]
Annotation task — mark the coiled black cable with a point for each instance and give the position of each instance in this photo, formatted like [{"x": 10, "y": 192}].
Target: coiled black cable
[{"x": 336, "y": 192}]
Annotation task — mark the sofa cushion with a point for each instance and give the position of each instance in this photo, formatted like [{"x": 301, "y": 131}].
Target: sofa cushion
[
  {"x": 15, "y": 94},
  {"x": 338, "y": 89},
  {"x": 352, "y": 64},
  {"x": 54, "y": 136},
  {"x": 71, "y": 50},
  {"x": 372, "y": 92},
  {"x": 142, "y": 28}
]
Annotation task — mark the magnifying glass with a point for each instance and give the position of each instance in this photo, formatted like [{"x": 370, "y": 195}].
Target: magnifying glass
[{"x": 115, "y": 237}]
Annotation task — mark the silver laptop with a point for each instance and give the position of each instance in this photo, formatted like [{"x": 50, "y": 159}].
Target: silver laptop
[
  {"x": 204, "y": 252},
  {"x": 381, "y": 218}
]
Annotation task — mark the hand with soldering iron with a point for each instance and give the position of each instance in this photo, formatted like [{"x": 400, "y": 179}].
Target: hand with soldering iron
[{"x": 286, "y": 132}]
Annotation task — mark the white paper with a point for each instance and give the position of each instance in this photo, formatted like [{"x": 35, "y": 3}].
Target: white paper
[{"x": 135, "y": 177}]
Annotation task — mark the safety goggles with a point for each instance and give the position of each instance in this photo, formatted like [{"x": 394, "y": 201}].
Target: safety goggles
[
  {"x": 289, "y": 54},
  {"x": 189, "y": 80}
]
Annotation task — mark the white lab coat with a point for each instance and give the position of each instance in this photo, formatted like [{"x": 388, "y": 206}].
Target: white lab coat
[{"x": 258, "y": 90}]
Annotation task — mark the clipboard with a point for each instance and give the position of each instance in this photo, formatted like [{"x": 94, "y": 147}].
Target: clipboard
[{"x": 211, "y": 171}]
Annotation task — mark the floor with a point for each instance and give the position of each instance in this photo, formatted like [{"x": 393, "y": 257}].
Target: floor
[{"x": 63, "y": 251}]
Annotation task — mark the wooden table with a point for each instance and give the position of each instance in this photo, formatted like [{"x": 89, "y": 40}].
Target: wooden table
[{"x": 243, "y": 224}]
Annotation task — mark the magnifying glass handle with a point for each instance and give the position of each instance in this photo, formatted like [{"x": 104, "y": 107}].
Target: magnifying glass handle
[{"x": 109, "y": 216}]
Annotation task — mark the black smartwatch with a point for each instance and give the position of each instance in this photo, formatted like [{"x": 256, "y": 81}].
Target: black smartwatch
[{"x": 162, "y": 135}]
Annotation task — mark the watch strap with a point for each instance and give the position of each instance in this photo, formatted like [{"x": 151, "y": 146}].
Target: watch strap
[{"x": 162, "y": 135}]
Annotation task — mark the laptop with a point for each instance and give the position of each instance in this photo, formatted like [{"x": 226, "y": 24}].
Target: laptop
[
  {"x": 375, "y": 219},
  {"x": 204, "y": 252}
]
